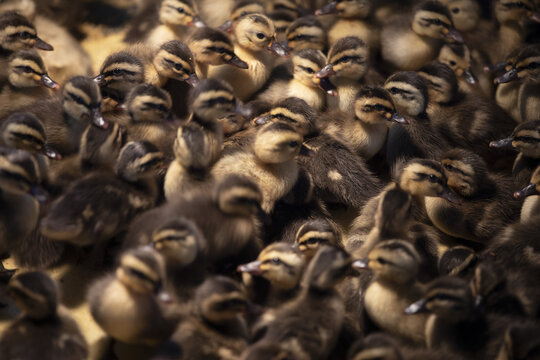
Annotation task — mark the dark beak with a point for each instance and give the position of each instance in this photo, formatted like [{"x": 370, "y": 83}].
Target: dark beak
[
  {"x": 416, "y": 307},
  {"x": 253, "y": 268},
  {"x": 330, "y": 8},
  {"x": 263, "y": 119},
  {"x": 42, "y": 45},
  {"x": 39, "y": 193},
  {"x": 100, "y": 80},
  {"x": 98, "y": 119},
  {"x": 502, "y": 144},
  {"x": 48, "y": 82},
  {"x": 197, "y": 22},
  {"x": 227, "y": 26},
  {"x": 507, "y": 77},
  {"x": 326, "y": 71},
  {"x": 362, "y": 264},
  {"x": 329, "y": 88},
  {"x": 400, "y": 119},
  {"x": 535, "y": 16},
  {"x": 193, "y": 80},
  {"x": 526, "y": 191},
  {"x": 51, "y": 153},
  {"x": 164, "y": 297},
  {"x": 306, "y": 151},
  {"x": 469, "y": 77},
  {"x": 278, "y": 48},
  {"x": 454, "y": 36},
  {"x": 495, "y": 68},
  {"x": 449, "y": 195},
  {"x": 236, "y": 61}
]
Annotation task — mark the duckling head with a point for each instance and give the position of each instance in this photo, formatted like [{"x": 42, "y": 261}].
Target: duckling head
[
  {"x": 148, "y": 103},
  {"x": 26, "y": 132},
  {"x": 374, "y": 105},
  {"x": 348, "y": 58},
  {"x": 329, "y": 266},
  {"x": 393, "y": 211},
  {"x": 525, "y": 139},
  {"x": 289, "y": 6},
  {"x": 179, "y": 241},
  {"x": 179, "y": 13},
  {"x": 432, "y": 19},
  {"x": 19, "y": 173},
  {"x": 192, "y": 148},
  {"x": 422, "y": 177},
  {"x": 81, "y": 100},
  {"x": 533, "y": 188},
  {"x": 17, "y": 33},
  {"x": 409, "y": 92},
  {"x": 238, "y": 195},
  {"x": 99, "y": 147},
  {"x": 465, "y": 171},
  {"x": 119, "y": 73},
  {"x": 358, "y": 9},
  {"x": 214, "y": 47},
  {"x": 441, "y": 82},
  {"x": 394, "y": 261},
  {"x": 306, "y": 64},
  {"x": 458, "y": 58},
  {"x": 279, "y": 263},
  {"x": 306, "y": 33},
  {"x": 35, "y": 293},
  {"x": 376, "y": 346},
  {"x": 211, "y": 100},
  {"x": 276, "y": 143},
  {"x": 291, "y": 111},
  {"x": 138, "y": 159},
  {"x": 465, "y": 13},
  {"x": 314, "y": 234},
  {"x": 281, "y": 19},
  {"x": 174, "y": 60},
  {"x": 256, "y": 32},
  {"x": 219, "y": 299},
  {"x": 525, "y": 68},
  {"x": 27, "y": 69},
  {"x": 507, "y": 11},
  {"x": 142, "y": 270},
  {"x": 447, "y": 297}
]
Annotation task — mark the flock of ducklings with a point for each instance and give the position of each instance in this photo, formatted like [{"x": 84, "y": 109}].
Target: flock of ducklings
[{"x": 272, "y": 179}]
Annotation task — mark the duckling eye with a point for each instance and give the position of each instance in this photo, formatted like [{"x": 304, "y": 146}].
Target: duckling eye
[
  {"x": 432, "y": 178},
  {"x": 293, "y": 144},
  {"x": 77, "y": 99},
  {"x": 243, "y": 13},
  {"x": 310, "y": 71},
  {"x": 394, "y": 90},
  {"x": 382, "y": 261},
  {"x": 117, "y": 72},
  {"x": 448, "y": 167},
  {"x": 455, "y": 10},
  {"x": 260, "y": 36},
  {"x": 180, "y": 10},
  {"x": 452, "y": 62},
  {"x": 276, "y": 260}
]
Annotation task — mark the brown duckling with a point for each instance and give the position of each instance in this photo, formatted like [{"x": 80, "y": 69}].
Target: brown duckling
[
  {"x": 316, "y": 233},
  {"x": 49, "y": 327},
  {"x": 304, "y": 33}
]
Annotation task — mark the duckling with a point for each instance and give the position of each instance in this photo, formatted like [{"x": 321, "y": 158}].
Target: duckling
[
  {"x": 395, "y": 266},
  {"x": 366, "y": 132},
  {"x": 67, "y": 117},
  {"x": 213, "y": 47},
  {"x": 487, "y": 205},
  {"x": 216, "y": 329},
  {"x": 419, "y": 138},
  {"x": 465, "y": 14},
  {"x": 281, "y": 19},
  {"x": 525, "y": 69},
  {"x": 128, "y": 303},
  {"x": 293, "y": 325},
  {"x": 465, "y": 120},
  {"x": 348, "y": 65},
  {"x": 116, "y": 199},
  {"x": 316, "y": 233},
  {"x": 54, "y": 334},
  {"x": 306, "y": 32},
  {"x": 410, "y": 42},
  {"x": 254, "y": 34},
  {"x": 352, "y": 20},
  {"x": 274, "y": 277},
  {"x": 270, "y": 163}
]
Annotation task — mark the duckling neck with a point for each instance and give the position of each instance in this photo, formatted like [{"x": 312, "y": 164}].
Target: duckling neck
[
  {"x": 201, "y": 69},
  {"x": 313, "y": 96},
  {"x": 510, "y": 35}
]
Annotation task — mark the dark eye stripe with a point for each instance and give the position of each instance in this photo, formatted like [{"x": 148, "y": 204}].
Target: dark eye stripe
[
  {"x": 28, "y": 137},
  {"x": 283, "y": 118},
  {"x": 352, "y": 58},
  {"x": 378, "y": 107},
  {"x": 218, "y": 100},
  {"x": 221, "y": 50},
  {"x": 301, "y": 37},
  {"x": 15, "y": 176}
]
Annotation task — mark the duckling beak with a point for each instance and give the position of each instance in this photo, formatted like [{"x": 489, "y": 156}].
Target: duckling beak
[
  {"x": 98, "y": 119},
  {"x": 253, "y": 268},
  {"x": 164, "y": 297},
  {"x": 261, "y": 120},
  {"x": 236, "y": 61},
  {"x": 306, "y": 151},
  {"x": 502, "y": 144},
  {"x": 452, "y": 35},
  {"x": 51, "y": 153},
  {"x": 226, "y": 26},
  {"x": 469, "y": 77},
  {"x": 416, "y": 307},
  {"x": 329, "y": 88},
  {"x": 400, "y": 119},
  {"x": 535, "y": 16},
  {"x": 197, "y": 22},
  {"x": 100, "y": 80},
  {"x": 507, "y": 77},
  {"x": 42, "y": 45},
  {"x": 48, "y": 82},
  {"x": 361, "y": 264},
  {"x": 39, "y": 193},
  {"x": 278, "y": 48},
  {"x": 326, "y": 71},
  {"x": 330, "y": 8},
  {"x": 526, "y": 191},
  {"x": 449, "y": 195},
  {"x": 193, "y": 80},
  {"x": 121, "y": 107},
  {"x": 495, "y": 68}
]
